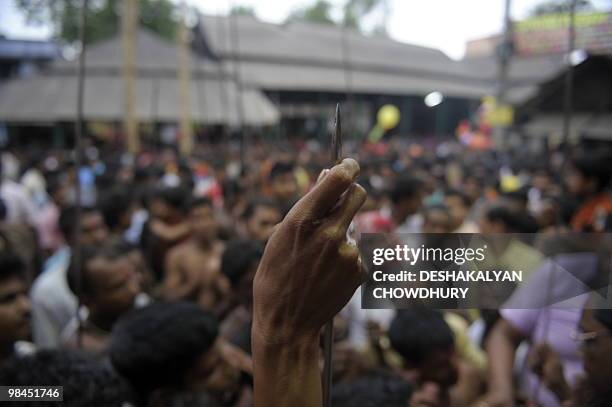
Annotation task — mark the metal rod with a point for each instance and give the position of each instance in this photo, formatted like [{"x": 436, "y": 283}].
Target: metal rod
[
  {"x": 328, "y": 334},
  {"x": 348, "y": 73},
  {"x": 78, "y": 158}
]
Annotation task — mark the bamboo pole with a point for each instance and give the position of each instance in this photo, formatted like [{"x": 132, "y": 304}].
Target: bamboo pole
[
  {"x": 184, "y": 74},
  {"x": 129, "y": 22}
]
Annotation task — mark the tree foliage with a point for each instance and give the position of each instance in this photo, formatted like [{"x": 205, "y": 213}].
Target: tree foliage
[
  {"x": 103, "y": 17},
  {"x": 242, "y": 11},
  {"x": 354, "y": 11},
  {"x": 319, "y": 12}
]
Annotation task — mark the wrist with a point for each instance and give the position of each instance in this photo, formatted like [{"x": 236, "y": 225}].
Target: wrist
[
  {"x": 501, "y": 387},
  {"x": 274, "y": 336},
  {"x": 286, "y": 369}
]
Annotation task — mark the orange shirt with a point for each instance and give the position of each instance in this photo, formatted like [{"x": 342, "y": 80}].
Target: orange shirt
[{"x": 592, "y": 215}]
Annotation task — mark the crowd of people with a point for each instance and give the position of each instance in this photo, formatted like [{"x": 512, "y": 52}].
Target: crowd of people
[{"x": 159, "y": 280}]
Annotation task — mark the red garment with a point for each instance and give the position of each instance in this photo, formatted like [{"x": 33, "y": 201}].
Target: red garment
[
  {"x": 593, "y": 214},
  {"x": 374, "y": 222}
]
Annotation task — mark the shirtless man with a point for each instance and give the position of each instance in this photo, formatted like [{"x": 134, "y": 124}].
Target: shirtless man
[{"x": 192, "y": 269}]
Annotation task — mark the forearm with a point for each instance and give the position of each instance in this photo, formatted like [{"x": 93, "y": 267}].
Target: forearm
[
  {"x": 501, "y": 348},
  {"x": 288, "y": 374}
]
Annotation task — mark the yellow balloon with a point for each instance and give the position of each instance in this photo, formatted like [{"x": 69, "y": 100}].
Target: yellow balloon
[{"x": 388, "y": 117}]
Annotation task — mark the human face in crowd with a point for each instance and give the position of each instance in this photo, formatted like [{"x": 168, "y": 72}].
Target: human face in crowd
[
  {"x": 261, "y": 223},
  {"x": 160, "y": 210},
  {"x": 408, "y": 206},
  {"x": 115, "y": 283},
  {"x": 487, "y": 226},
  {"x": 244, "y": 290},
  {"x": 203, "y": 223},
  {"x": 217, "y": 371},
  {"x": 61, "y": 196},
  {"x": 14, "y": 311},
  {"x": 473, "y": 189},
  {"x": 440, "y": 367},
  {"x": 93, "y": 229},
  {"x": 577, "y": 184},
  {"x": 437, "y": 221},
  {"x": 542, "y": 181},
  {"x": 596, "y": 346},
  {"x": 284, "y": 186},
  {"x": 457, "y": 210}
]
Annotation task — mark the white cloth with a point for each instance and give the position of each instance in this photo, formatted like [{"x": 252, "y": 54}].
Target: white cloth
[
  {"x": 19, "y": 207},
  {"x": 358, "y": 318},
  {"x": 53, "y": 304}
]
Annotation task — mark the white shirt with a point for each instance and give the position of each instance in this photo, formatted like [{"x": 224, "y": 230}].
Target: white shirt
[
  {"x": 53, "y": 304},
  {"x": 19, "y": 208}
]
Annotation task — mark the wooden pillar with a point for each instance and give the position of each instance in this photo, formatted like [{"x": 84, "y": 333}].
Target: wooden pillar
[
  {"x": 129, "y": 25},
  {"x": 184, "y": 76}
]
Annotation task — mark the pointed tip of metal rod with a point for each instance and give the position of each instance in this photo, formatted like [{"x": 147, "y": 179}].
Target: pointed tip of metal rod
[{"x": 337, "y": 115}]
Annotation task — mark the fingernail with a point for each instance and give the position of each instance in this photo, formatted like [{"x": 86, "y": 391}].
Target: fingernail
[{"x": 322, "y": 174}]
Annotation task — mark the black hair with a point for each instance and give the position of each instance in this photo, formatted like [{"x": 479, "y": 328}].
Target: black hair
[
  {"x": 595, "y": 166},
  {"x": 520, "y": 196},
  {"x": 406, "y": 187},
  {"x": 257, "y": 202},
  {"x": 53, "y": 184},
  {"x": 77, "y": 275},
  {"x": 68, "y": 219},
  {"x": 155, "y": 346},
  {"x": 280, "y": 168},
  {"x": 197, "y": 202},
  {"x": 374, "y": 389},
  {"x": 604, "y": 316},
  {"x": 114, "y": 204},
  {"x": 11, "y": 266},
  {"x": 176, "y": 197},
  {"x": 238, "y": 257},
  {"x": 418, "y": 332},
  {"x": 516, "y": 221},
  {"x": 465, "y": 200},
  {"x": 86, "y": 381}
]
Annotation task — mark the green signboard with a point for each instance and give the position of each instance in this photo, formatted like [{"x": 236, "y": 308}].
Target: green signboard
[{"x": 549, "y": 34}]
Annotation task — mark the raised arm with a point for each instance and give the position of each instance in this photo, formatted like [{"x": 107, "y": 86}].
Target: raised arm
[
  {"x": 501, "y": 349},
  {"x": 307, "y": 274}
]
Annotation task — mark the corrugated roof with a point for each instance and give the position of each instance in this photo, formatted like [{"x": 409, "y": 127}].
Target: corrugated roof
[
  {"x": 522, "y": 70},
  {"x": 27, "y": 49},
  {"x": 292, "y": 77},
  {"x": 593, "y": 126},
  {"x": 314, "y": 58},
  {"x": 308, "y": 56},
  {"x": 154, "y": 55},
  {"x": 52, "y": 96}
]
